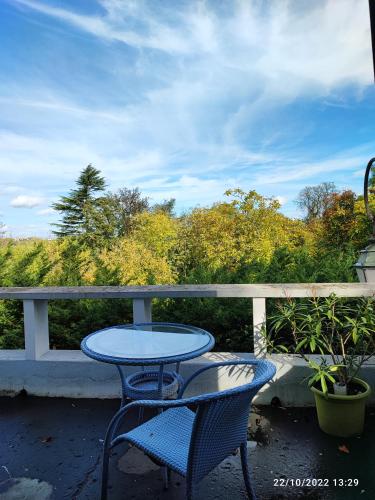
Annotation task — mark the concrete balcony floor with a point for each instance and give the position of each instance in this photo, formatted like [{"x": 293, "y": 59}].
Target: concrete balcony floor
[{"x": 50, "y": 448}]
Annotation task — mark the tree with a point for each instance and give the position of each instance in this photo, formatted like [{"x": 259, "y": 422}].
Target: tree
[
  {"x": 315, "y": 200},
  {"x": 157, "y": 231},
  {"x": 345, "y": 221},
  {"x": 112, "y": 215},
  {"x": 130, "y": 262},
  {"x": 371, "y": 181},
  {"x": 72, "y": 207},
  {"x": 128, "y": 202},
  {"x": 247, "y": 228},
  {"x": 166, "y": 206}
]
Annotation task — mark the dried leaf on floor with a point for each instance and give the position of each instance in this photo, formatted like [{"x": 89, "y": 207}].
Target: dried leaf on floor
[
  {"x": 343, "y": 449},
  {"x": 46, "y": 439}
]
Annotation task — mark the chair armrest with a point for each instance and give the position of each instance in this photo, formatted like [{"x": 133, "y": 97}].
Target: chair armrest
[{"x": 251, "y": 362}]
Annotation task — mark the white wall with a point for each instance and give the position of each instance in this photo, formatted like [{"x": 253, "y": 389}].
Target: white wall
[{"x": 72, "y": 374}]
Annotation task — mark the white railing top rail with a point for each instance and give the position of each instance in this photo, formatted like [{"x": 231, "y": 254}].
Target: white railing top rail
[{"x": 153, "y": 291}]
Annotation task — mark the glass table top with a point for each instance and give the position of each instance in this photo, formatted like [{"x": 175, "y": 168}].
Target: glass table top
[{"x": 147, "y": 342}]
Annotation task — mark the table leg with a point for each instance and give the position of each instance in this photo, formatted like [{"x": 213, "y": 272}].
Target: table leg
[
  {"x": 122, "y": 377},
  {"x": 160, "y": 382}
]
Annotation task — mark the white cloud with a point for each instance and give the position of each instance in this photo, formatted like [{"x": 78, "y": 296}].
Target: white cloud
[
  {"x": 218, "y": 76},
  {"x": 220, "y": 72},
  {"x": 42, "y": 159},
  {"x": 160, "y": 37},
  {"x": 46, "y": 211},
  {"x": 10, "y": 189},
  {"x": 282, "y": 200},
  {"x": 305, "y": 170},
  {"x": 189, "y": 190},
  {"x": 26, "y": 201},
  {"x": 58, "y": 104},
  {"x": 4, "y": 231},
  {"x": 313, "y": 44},
  {"x": 360, "y": 173}
]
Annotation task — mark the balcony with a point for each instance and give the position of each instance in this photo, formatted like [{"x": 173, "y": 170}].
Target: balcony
[
  {"x": 52, "y": 447},
  {"x": 53, "y": 429}
]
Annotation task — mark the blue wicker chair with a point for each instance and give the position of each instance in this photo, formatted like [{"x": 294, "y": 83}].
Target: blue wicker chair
[{"x": 193, "y": 443}]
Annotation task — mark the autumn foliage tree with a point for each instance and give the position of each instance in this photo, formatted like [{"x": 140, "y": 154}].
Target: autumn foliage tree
[
  {"x": 345, "y": 222},
  {"x": 246, "y": 228}
]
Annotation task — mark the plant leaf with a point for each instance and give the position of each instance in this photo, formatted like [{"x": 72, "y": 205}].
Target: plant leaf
[{"x": 324, "y": 384}]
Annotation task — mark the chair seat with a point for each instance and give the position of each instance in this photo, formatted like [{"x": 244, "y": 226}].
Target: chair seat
[
  {"x": 166, "y": 437},
  {"x": 144, "y": 385}
]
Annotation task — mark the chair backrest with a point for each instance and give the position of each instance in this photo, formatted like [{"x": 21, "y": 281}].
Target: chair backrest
[{"x": 221, "y": 422}]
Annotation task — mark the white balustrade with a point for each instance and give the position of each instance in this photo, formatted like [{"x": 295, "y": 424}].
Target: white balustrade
[{"x": 35, "y": 302}]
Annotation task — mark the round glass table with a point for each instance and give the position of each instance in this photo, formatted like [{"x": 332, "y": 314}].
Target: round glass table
[{"x": 144, "y": 344}]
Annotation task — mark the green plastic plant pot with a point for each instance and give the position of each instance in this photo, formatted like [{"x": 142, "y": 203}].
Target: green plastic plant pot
[{"x": 341, "y": 415}]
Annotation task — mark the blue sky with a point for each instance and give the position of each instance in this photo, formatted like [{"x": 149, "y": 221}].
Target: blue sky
[{"x": 182, "y": 99}]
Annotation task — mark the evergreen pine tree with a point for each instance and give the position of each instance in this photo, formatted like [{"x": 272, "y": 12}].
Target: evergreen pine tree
[{"x": 72, "y": 207}]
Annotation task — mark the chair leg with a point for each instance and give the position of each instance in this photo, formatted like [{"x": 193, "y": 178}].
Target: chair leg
[
  {"x": 140, "y": 415},
  {"x": 166, "y": 476},
  {"x": 246, "y": 472},
  {"x": 189, "y": 489},
  {"x": 105, "y": 467}
]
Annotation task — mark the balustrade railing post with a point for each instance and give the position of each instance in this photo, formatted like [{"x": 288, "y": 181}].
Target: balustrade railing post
[
  {"x": 142, "y": 310},
  {"x": 35, "y": 314},
  {"x": 259, "y": 323}
]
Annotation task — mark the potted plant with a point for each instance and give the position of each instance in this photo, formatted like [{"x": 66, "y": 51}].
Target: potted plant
[{"x": 342, "y": 333}]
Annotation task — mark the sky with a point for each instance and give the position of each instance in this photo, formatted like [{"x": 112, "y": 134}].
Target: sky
[{"x": 181, "y": 99}]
